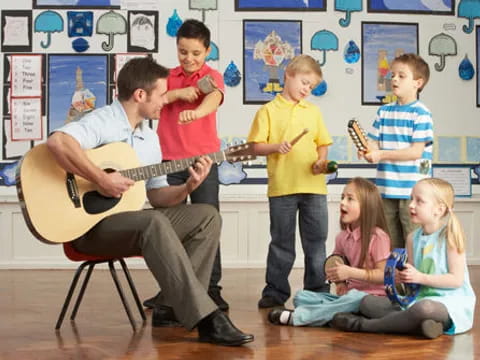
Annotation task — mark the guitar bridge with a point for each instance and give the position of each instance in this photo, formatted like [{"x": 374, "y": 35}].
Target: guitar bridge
[{"x": 72, "y": 190}]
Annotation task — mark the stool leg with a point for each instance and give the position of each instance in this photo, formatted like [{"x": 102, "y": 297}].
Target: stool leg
[
  {"x": 69, "y": 295},
  {"x": 82, "y": 291},
  {"x": 133, "y": 289},
  {"x": 122, "y": 296}
]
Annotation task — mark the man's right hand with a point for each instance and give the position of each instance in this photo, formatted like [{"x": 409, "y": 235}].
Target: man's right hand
[{"x": 114, "y": 184}]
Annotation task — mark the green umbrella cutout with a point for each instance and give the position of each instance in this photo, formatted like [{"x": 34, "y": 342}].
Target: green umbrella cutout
[{"x": 111, "y": 23}]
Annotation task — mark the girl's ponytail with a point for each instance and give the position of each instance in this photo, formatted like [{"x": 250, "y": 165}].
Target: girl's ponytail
[{"x": 454, "y": 232}]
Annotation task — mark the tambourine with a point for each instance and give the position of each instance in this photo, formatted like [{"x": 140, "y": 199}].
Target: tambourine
[
  {"x": 397, "y": 260},
  {"x": 332, "y": 261}
]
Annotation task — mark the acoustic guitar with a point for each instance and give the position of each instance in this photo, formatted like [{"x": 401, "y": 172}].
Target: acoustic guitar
[{"x": 59, "y": 206}]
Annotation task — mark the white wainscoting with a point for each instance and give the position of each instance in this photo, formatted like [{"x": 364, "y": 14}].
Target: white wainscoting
[{"x": 245, "y": 234}]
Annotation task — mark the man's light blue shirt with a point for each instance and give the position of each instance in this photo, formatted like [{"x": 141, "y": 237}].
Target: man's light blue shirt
[{"x": 110, "y": 124}]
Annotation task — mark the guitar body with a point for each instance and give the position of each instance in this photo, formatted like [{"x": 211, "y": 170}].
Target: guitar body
[{"x": 60, "y": 207}]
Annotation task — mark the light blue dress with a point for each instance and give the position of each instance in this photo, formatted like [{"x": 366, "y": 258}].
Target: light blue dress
[{"x": 430, "y": 257}]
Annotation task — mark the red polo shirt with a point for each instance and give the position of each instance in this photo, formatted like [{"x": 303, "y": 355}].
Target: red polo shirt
[{"x": 196, "y": 138}]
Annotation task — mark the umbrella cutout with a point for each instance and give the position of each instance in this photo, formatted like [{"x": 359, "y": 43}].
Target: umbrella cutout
[
  {"x": 48, "y": 22},
  {"x": 324, "y": 40},
  {"x": 465, "y": 69},
  {"x": 348, "y": 6},
  {"x": 213, "y": 55},
  {"x": 111, "y": 23},
  {"x": 469, "y": 9},
  {"x": 203, "y": 5},
  {"x": 442, "y": 45}
]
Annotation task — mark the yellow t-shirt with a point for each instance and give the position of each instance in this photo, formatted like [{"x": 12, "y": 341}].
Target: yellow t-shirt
[{"x": 281, "y": 120}]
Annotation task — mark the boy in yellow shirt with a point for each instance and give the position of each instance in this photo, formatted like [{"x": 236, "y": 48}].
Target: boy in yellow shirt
[{"x": 295, "y": 180}]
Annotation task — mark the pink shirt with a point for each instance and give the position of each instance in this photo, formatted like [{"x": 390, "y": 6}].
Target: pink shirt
[
  {"x": 196, "y": 138},
  {"x": 348, "y": 244}
]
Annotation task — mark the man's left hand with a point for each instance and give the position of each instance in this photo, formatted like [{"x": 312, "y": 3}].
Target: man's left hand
[{"x": 198, "y": 172}]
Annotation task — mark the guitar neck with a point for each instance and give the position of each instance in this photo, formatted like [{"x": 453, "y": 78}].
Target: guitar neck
[{"x": 173, "y": 166}]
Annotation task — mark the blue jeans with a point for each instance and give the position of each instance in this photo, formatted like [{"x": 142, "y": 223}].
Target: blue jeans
[
  {"x": 206, "y": 193},
  {"x": 313, "y": 225}
]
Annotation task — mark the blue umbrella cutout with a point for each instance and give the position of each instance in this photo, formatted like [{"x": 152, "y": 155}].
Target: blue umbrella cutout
[
  {"x": 48, "y": 22},
  {"x": 348, "y": 6},
  {"x": 213, "y": 52},
  {"x": 469, "y": 9},
  {"x": 173, "y": 24},
  {"x": 465, "y": 69},
  {"x": 324, "y": 40}
]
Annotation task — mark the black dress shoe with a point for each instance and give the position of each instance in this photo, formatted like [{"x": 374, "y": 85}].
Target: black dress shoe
[
  {"x": 268, "y": 302},
  {"x": 218, "y": 329},
  {"x": 150, "y": 303},
  {"x": 275, "y": 314},
  {"x": 347, "y": 322},
  {"x": 163, "y": 316},
  {"x": 214, "y": 293}
]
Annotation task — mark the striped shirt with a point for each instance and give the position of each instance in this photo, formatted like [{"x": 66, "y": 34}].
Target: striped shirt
[{"x": 397, "y": 127}]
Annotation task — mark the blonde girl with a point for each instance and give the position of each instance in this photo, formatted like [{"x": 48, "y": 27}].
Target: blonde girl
[
  {"x": 437, "y": 261},
  {"x": 365, "y": 242}
]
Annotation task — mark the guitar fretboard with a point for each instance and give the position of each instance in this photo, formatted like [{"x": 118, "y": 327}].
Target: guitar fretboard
[{"x": 149, "y": 171}]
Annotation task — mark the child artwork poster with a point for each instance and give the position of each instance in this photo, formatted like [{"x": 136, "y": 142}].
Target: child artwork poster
[
  {"x": 280, "y": 5},
  {"x": 268, "y": 46},
  {"x": 477, "y": 51},
  {"x": 434, "y": 7},
  {"x": 77, "y": 85},
  {"x": 92, "y": 4},
  {"x": 143, "y": 34},
  {"x": 381, "y": 43}
]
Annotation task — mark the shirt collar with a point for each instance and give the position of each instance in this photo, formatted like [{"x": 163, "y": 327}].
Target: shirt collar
[
  {"x": 354, "y": 234},
  {"x": 178, "y": 71},
  {"x": 122, "y": 115},
  {"x": 285, "y": 103}
]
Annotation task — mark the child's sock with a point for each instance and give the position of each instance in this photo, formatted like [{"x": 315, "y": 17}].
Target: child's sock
[
  {"x": 286, "y": 317},
  {"x": 280, "y": 316}
]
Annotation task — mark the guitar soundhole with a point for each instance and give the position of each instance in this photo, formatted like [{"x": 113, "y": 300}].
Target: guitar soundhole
[{"x": 96, "y": 203}]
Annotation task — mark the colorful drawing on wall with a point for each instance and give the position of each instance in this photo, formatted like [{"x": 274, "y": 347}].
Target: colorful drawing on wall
[
  {"x": 268, "y": 45},
  {"x": 324, "y": 41},
  {"x": 477, "y": 52},
  {"x": 92, "y": 4},
  {"x": 80, "y": 23},
  {"x": 347, "y": 6},
  {"x": 381, "y": 43},
  {"x": 48, "y": 22},
  {"x": 442, "y": 45},
  {"x": 232, "y": 75},
  {"x": 7, "y": 173},
  {"x": 280, "y": 5},
  {"x": 231, "y": 173},
  {"x": 434, "y": 7},
  {"x": 202, "y": 5},
  {"x": 466, "y": 70},
  {"x": 110, "y": 24},
  {"x": 143, "y": 34},
  {"x": 339, "y": 149},
  {"x": 351, "y": 54},
  {"x": 473, "y": 149},
  {"x": 173, "y": 24},
  {"x": 16, "y": 31},
  {"x": 469, "y": 9},
  {"x": 77, "y": 85}
]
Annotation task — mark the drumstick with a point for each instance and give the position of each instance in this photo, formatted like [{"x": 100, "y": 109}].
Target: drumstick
[{"x": 298, "y": 137}]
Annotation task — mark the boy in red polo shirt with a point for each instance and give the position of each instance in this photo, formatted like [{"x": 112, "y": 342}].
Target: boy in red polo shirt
[{"x": 188, "y": 123}]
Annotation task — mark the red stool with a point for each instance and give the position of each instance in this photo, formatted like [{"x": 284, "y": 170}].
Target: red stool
[{"x": 91, "y": 261}]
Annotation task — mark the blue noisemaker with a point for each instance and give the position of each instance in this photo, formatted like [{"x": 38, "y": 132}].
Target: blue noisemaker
[{"x": 397, "y": 260}]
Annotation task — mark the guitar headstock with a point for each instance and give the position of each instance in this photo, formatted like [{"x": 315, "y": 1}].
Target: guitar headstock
[
  {"x": 240, "y": 153},
  {"x": 358, "y": 135}
]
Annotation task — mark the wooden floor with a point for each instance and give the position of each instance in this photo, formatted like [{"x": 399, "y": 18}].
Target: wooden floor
[{"x": 30, "y": 301}]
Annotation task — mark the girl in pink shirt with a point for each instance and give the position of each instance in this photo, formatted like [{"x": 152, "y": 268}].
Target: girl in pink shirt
[{"x": 365, "y": 243}]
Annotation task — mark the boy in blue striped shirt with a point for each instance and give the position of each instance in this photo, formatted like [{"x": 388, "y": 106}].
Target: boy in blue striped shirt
[{"x": 401, "y": 143}]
